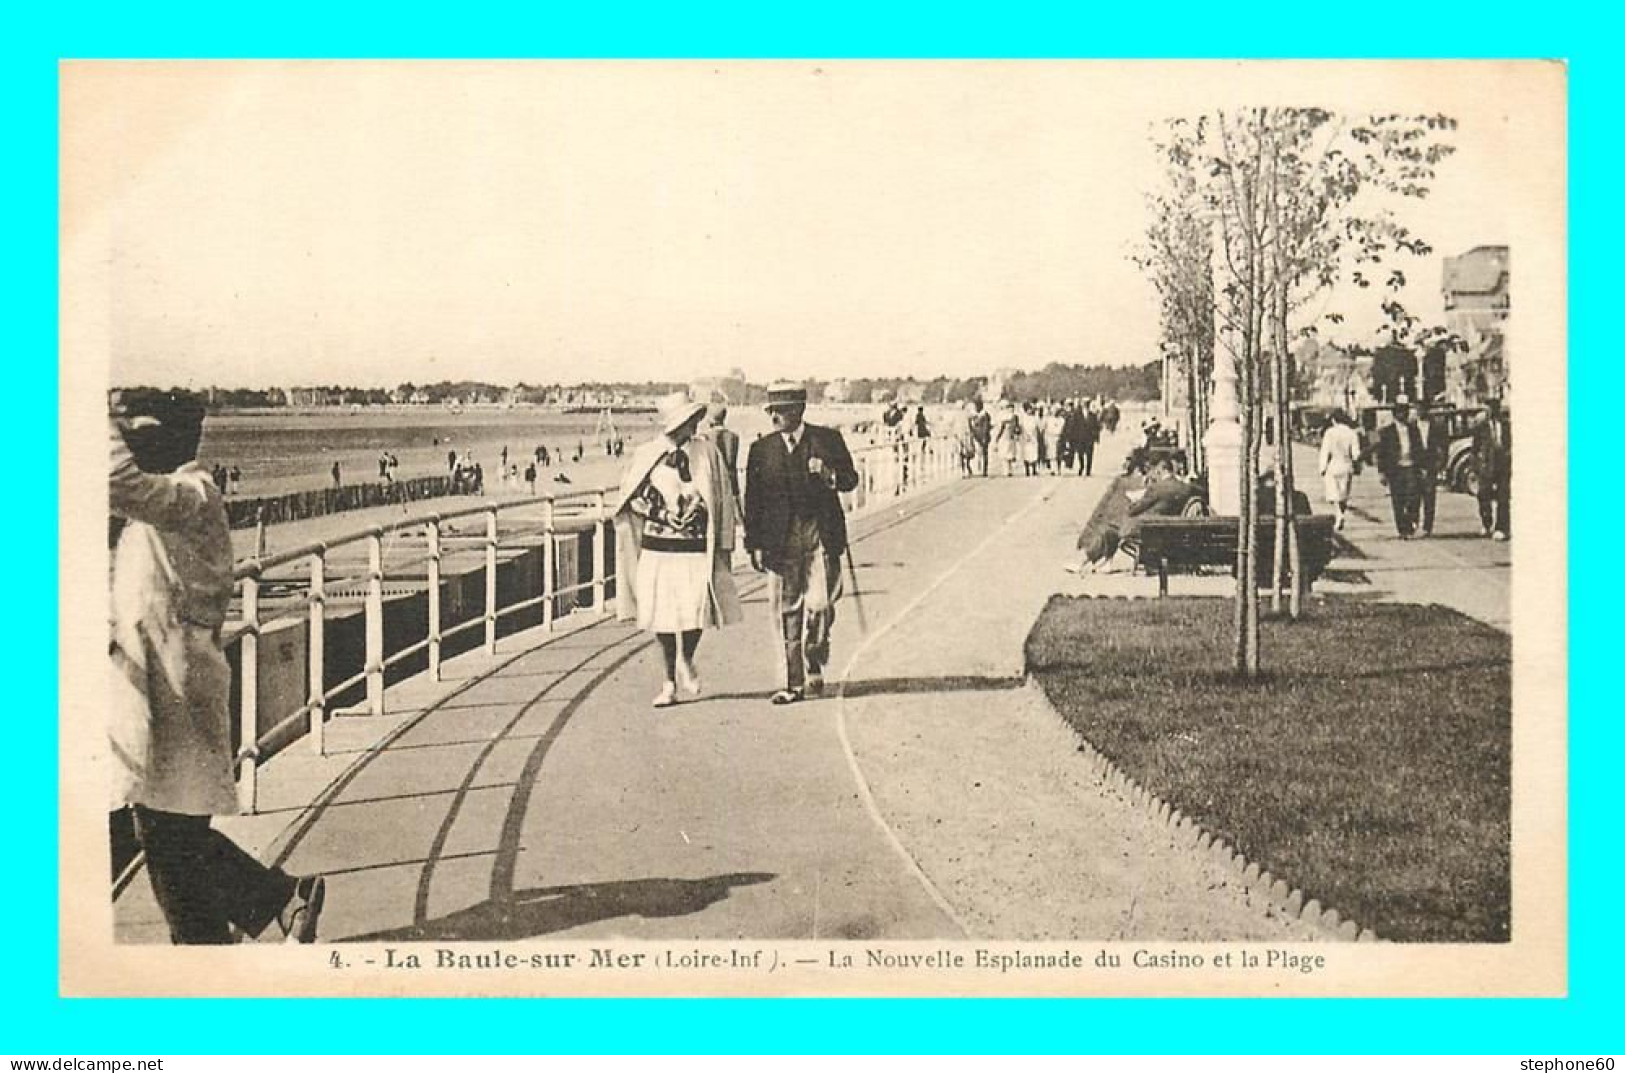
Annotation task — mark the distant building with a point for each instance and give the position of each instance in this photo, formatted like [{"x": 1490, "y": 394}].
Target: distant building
[
  {"x": 993, "y": 389},
  {"x": 838, "y": 391},
  {"x": 1332, "y": 375},
  {"x": 911, "y": 392},
  {"x": 314, "y": 396},
  {"x": 707, "y": 388},
  {"x": 1477, "y": 302}
]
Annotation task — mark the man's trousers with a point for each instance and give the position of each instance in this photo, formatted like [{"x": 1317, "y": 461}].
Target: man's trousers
[
  {"x": 1405, "y": 489},
  {"x": 204, "y": 882},
  {"x": 1495, "y": 506},
  {"x": 805, "y": 584},
  {"x": 1427, "y": 490}
]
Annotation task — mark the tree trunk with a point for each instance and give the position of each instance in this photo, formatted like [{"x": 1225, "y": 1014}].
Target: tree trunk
[
  {"x": 1193, "y": 415},
  {"x": 1287, "y": 552},
  {"x": 1278, "y": 576},
  {"x": 1254, "y": 657}
]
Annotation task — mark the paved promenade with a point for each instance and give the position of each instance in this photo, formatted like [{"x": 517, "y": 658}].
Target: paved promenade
[
  {"x": 932, "y": 795},
  {"x": 1456, "y": 566}
]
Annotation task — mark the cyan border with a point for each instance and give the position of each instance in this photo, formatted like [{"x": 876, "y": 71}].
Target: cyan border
[{"x": 34, "y": 39}]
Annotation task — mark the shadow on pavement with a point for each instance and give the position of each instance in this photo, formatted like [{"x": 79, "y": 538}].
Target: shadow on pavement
[
  {"x": 879, "y": 687},
  {"x": 544, "y": 910}
]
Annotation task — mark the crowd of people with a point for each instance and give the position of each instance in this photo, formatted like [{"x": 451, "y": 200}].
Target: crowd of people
[
  {"x": 1040, "y": 438},
  {"x": 1412, "y": 456},
  {"x": 229, "y": 479}
]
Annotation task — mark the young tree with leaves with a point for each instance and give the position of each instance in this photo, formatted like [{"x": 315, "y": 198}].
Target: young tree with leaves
[{"x": 1297, "y": 196}]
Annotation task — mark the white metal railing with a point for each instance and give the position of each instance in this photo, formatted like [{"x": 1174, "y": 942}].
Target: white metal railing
[{"x": 305, "y": 578}]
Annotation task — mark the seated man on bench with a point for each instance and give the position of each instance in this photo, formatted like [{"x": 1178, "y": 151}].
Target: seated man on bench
[{"x": 1165, "y": 495}]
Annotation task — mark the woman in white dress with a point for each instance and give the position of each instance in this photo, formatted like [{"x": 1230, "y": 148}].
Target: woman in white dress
[
  {"x": 1032, "y": 439},
  {"x": 1054, "y": 430},
  {"x": 1339, "y": 462},
  {"x": 674, "y": 524},
  {"x": 1008, "y": 439}
]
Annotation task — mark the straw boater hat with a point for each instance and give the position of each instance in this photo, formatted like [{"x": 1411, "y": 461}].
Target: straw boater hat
[
  {"x": 784, "y": 393},
  {"x": 676, "y": 410}
]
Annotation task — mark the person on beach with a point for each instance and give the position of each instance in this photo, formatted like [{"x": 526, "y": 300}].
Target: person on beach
[
  {"x": 337, "y": 481},
  {"x": 795, "y": 530},
  {"x": 170, "y": 726},
  {"x": 674, "y": 532},
  {"x": 1339, "y": 462}
]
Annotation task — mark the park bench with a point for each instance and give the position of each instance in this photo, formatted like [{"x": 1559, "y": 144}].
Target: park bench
[{"x": 1186, "y": 545}]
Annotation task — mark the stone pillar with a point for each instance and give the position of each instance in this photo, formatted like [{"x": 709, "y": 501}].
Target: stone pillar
[{"x": 1223, "y": 442}]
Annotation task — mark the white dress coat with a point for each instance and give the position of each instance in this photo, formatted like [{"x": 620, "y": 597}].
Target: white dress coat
[
  {"x": 708, "y": 473},
  {"x": 169, "y": 730}
]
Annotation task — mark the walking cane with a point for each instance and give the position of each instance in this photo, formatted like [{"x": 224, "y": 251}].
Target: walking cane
[{"x": 857, "y": 593}]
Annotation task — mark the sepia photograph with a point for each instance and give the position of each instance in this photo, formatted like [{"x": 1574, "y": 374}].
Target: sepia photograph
[{"x": 816, "y": 528}]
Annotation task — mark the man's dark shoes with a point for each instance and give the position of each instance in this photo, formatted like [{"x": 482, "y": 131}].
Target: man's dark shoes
[
  {"x": 815, "y": 685},
  {"x": 785, "y": 696},
  {"x": 304, "y": 909}
]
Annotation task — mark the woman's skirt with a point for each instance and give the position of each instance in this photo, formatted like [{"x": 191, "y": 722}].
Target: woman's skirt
[
  {"x": 1338, "y": 485},
  {"x": 674, "y": 591}
]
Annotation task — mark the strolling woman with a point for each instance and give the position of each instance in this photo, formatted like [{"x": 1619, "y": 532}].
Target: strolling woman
[
  {"x": 1339, "y": 462},
  {"x": 674, "y": 524}
]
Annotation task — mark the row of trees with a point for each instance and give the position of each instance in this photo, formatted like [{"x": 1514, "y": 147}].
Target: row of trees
[
  {"x": 1053, "y": 381},
  {"x": 1261, "y": 211}
]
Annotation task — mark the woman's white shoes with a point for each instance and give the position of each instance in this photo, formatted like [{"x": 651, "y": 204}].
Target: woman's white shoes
[{"x": 687, "y": 679}]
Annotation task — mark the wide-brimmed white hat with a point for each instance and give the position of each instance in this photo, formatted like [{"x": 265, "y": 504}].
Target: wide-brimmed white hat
[{"x": 677, "y": 410}]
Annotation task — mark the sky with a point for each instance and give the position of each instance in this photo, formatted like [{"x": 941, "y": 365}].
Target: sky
[{"x": 271, "y": 224}]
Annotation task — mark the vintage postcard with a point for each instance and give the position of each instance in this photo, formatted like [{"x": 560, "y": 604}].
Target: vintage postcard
[{"x": 840, "y": 528}]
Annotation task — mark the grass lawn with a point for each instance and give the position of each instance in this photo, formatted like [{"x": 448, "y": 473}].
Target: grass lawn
[{"x": 1371, "y": 767}]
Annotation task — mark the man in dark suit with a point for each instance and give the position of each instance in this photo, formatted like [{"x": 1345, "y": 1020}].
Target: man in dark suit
[
  {"x": 1401, "y": 463},
  {"x": 1492, "y": 454},
  {"x": 1085, "y": 434},
  {"x": 796, "y": 530},
  {"x": 1435, "y": 432}
]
